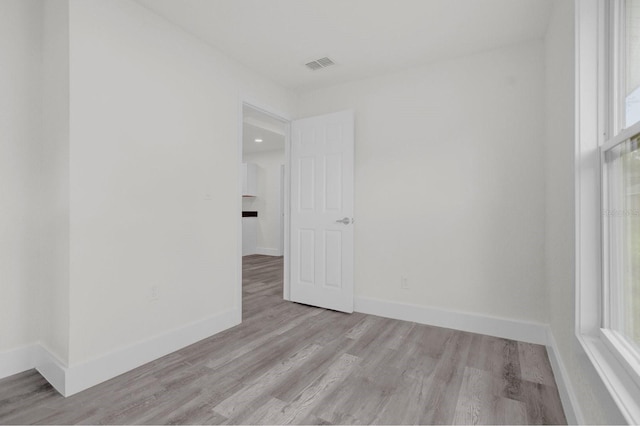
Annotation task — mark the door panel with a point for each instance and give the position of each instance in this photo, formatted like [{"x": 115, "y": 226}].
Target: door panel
[
  {"x": 307, "y": 241},
  {"x": 322, "y": 155}
]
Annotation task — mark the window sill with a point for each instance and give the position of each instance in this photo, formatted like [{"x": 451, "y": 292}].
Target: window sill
[{"x": 618, "y": 381}]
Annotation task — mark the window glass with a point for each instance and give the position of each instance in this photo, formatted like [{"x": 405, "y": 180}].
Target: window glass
[
  {"x": 632, "y": 86},
  {"x": 623, "y": 214}
]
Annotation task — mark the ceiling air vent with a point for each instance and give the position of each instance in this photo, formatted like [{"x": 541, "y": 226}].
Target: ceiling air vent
[{"x": 319, "y": 64}]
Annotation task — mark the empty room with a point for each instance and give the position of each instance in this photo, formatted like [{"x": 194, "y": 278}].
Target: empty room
[{"x": 320, "y": 211}]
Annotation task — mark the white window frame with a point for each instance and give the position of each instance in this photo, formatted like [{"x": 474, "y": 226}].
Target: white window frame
[{"x": 617, "y": 366}]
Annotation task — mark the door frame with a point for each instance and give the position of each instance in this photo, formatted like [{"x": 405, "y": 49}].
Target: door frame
[
  {"x": 286, "y": 119},
  {"x": 281, "y": 209}
]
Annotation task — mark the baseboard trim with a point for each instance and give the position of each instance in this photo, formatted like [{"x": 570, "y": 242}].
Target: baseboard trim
[
  {"x": 265, "y": 251},
  {"x": 87, "y": 374},
  {"x": 34, "y": 356},
  {"x": 523, "y": 331},
  {"x": 51, "y": 368},
  {"x": 567, "y": 395},
  {"x": 17, "y": 360},
  {"x": 74, "y": 379}
]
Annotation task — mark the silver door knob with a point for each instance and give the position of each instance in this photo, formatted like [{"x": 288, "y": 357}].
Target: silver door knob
[{"x": 345, "y": 221}]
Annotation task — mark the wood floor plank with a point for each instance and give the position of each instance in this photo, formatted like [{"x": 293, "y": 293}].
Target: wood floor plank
[
  {"x": 543, "y": 404},
  {"x": 510, "y": 412},
  {"x": 400, "y": 336},
  {"x": 15, "y": 405},
  {"x": 365, "y": 392},
  {"x": 407, "y": 402},
  {"x": 267, "y": 414},
  {"x": 537, "y": 366},
  {"x": 375, "y": 390},
  {"x": 256, "y": 343},
  {"x": 261, "y": 359},
  {"x": 448, "y": 375},
  {"x": 358, "y": 330},
  {"x": 260, "y": 386},
  {"x": 295, "y": 411},
  {"x": 511, "y": 370},
  {"x": 476, "y": 401},
  {"x": 314, "y": 368},
  {"x": 35, "y": 416},
  {"x": 294, "y": 364},
  {"x": 179, "y": 404}
]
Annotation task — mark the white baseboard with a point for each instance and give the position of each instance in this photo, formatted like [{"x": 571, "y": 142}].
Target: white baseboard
[
  {"x": 87, "y": 374},
  {"x": 71, "y": 380},
  {"x": 567, "y": 395},
  {"x": 17, "y": 360},
  {"x": 523, "y": 331},
  {"x": 268, "y": 251},
  {"x": 30, "y": 357},
  {"x": 51, "y": 368}
]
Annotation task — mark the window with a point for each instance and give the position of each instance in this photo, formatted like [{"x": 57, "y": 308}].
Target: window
[
  {"x": 608, "y": 195},
  {"x": 621, "y": 178}
]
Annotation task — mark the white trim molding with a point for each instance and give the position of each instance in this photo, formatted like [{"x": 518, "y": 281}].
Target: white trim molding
[
  {"x": 90, "y": 373},
  {"x": 18, "y": 360},
  {"x": 34, "y": 356},
  {"x": 51, "y": 368},
  {"x": 620, "y": 384},
  {"x": 524, "y": 331},
  {"x": 567, "y": 395},
  {"x": 265, "y": 251},
  {"x": 70, "y": 380}
]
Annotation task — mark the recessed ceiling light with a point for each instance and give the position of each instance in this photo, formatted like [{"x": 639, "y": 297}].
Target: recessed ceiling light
[{"x": 257, "y": 140}]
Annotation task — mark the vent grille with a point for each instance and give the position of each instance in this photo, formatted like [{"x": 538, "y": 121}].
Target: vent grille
[{"x": 319, "y": 64}]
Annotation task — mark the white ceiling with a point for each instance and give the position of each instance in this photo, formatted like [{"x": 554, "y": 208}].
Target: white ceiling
[
  {"x": 270, "y": 141},
  {"x": 258, "y": 125},
  {"x": 364, "y": 37}
]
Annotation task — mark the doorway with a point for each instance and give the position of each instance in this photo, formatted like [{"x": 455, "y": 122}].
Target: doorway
[
  {"x": 264, "y": 163},
  {"x": 318, "y": 195}
]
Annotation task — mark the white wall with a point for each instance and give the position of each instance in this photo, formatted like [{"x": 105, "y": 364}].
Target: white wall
[
  {"x": 20, "y": 132},
  {"x": 54, "y": 191},
  {"x": 153, "y": 160},
  {"x": 450, "y": 183},
  {"x": 594, "y": 401},
  {"x": 267, "y": 202}
]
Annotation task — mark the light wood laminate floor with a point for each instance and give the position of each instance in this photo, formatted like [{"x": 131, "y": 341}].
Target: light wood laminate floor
[{"x": 295, "y": 364}]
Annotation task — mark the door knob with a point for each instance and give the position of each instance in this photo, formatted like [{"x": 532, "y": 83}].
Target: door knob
[{"x": 345, "y": 221}]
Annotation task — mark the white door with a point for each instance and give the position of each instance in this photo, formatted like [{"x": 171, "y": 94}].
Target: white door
[{"x": 322, "y": 151}]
